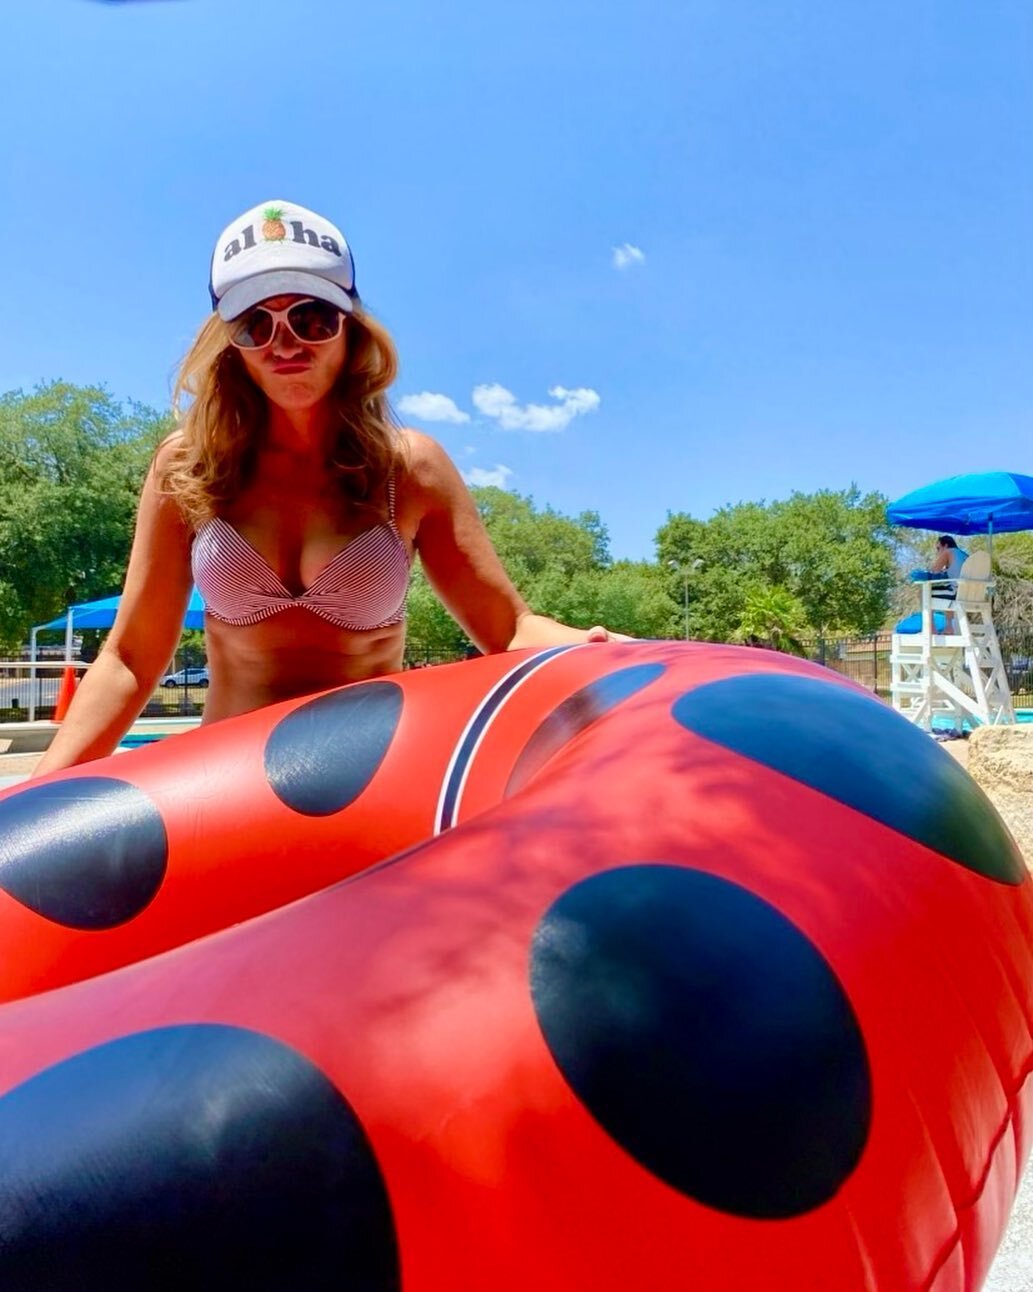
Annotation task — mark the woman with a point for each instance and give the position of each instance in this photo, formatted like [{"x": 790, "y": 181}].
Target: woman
[
  {"x": 293, "y": 501},
  {"x": 949, "y": 558}
]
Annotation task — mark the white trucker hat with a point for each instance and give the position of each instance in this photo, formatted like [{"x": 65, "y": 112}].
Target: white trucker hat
[{"x": 279, "y": 249}]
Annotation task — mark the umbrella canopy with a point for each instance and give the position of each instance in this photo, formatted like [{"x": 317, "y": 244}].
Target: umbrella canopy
[
  {"x": 101, "y": 614},
  {"x": 87, "y": 614},
  {"x": 985, "y": 502}
]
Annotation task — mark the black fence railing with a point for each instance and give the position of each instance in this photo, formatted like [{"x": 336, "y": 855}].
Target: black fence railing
[
  {"x": 1017, "y": 653},
  {"x": 866, "y": 660},
  {"x": 182, "y": 690}
]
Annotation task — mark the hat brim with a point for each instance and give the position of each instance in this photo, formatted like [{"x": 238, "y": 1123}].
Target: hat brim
[{"x": 282, "y": 282}]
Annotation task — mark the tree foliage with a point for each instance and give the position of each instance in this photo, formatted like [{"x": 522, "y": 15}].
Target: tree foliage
[
  {"x": 533, "y": 543},
  {"x": 1013, "y": 569},
  {"x": 562, "y": 567},
  {"x": 433, "y": 634},
  {"x": 773, "y": 617},
  {"x": 72, "y": 460},
  {"x": 832, "y": 552}
]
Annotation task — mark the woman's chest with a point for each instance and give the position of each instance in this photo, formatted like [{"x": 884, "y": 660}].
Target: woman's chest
[{"x": 300, "y": 533}]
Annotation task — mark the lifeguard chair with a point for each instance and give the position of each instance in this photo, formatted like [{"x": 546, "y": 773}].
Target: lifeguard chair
[{"x": 946, "y": 660}]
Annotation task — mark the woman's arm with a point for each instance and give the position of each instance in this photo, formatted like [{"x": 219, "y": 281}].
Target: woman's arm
[
  {"x": 143, "y": 637},
  {"x": 463, "y": 566}
]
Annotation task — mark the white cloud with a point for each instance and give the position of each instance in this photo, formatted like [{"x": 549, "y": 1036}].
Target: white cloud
[
  {"x": 429, "y": 407},
  {"x": 499, "y": 403},
  {"x": 479, "y": 476},
  {"x": 626, "y": 255}
]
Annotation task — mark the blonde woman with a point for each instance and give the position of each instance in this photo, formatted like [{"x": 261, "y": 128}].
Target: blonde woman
[{"x": 292, "y": 500}]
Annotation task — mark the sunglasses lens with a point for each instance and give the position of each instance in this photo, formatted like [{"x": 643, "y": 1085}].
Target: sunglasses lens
[
  {"x": 315, "y": 320},
  {"x": 255, "y": 328},
  {"x": 310, "y": 321}
]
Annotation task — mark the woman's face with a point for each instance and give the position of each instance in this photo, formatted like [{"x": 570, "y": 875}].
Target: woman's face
[{"x": 294, "y": 374}]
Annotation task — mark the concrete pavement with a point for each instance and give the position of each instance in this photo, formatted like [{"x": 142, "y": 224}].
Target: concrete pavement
[{"x": 1012, "y": 1271}]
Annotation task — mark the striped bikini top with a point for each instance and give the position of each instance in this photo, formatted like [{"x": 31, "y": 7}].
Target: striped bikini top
[{"x": 361, "y": 588}]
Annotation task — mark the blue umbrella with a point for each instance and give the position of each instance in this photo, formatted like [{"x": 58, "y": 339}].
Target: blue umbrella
[
  {"x": 985, "y": 502},
  {"x": 101, "y": 614},
  {"x": 195, "y": 611},
  {"x": 85, "y": 614}
]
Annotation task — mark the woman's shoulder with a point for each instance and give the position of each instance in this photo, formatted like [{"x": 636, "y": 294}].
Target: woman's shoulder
[
  {"x": 168, "y": 450},
  {"x": 426, "y": 465},
  {"x": 158, "y": 482}
]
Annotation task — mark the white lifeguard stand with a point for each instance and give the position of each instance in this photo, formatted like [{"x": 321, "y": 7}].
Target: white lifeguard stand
[{"x": 956, "y": 673}]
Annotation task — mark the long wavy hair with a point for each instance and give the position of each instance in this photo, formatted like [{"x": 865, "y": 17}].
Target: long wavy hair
[{"x": 221, "y": 430}]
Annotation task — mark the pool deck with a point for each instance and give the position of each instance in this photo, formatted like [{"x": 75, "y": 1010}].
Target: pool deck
[{"x": 23, "y": 744}]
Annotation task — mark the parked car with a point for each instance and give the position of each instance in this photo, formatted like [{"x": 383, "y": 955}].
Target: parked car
[{"x": 195, "y": 676}]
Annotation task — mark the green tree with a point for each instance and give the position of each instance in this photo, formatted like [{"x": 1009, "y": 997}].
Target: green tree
[
  {"x": 839, "y": 551},
  {"x": 629, "y": 597},
  {"x": 832, "y": 551},
  {"x": 1013, "y": 570},
  {"x": 433, "y": 634},
  {"x": 561, "y": 566},
  {"x": 532, "y": 541},
  {"x": 775, "y": 618},
  {"x": 72, "y": 460}
]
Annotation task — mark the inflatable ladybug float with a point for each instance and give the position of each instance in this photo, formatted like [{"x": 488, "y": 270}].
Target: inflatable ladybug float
[{"x": 619, "y": 967}]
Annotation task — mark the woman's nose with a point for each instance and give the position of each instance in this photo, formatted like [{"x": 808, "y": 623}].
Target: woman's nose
[{"x": 284, "y": 342}]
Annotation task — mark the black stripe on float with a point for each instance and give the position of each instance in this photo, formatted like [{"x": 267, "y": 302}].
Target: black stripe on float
[{"x": 462, "y": 756}]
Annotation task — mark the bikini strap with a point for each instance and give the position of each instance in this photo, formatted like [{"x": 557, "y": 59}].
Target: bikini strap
[{"x": 391, "y": 497}]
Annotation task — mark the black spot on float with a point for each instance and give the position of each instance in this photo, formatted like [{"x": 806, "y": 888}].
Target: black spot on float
[
  {"x": 323, "y": 755},
  {"x": 88, "y": 853},
  {"x": 858, "y": 751},
  {"x": 706, "y": 1035},
  {"x": 198, "y": 1156},
  {"x": 575, "y": 714}
]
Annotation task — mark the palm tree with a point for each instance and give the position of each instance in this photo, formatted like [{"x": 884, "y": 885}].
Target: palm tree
[{"x": 775, "y": 617}]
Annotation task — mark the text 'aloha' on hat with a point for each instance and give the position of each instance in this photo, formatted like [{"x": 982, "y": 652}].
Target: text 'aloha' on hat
[{"x": 279, "y": 249}]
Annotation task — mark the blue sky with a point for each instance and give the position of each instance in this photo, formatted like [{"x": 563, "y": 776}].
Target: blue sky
[{"x": 823, "y": 214}]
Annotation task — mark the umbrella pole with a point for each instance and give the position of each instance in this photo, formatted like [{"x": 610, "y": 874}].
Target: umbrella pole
[{"x": 33, "y": 674}]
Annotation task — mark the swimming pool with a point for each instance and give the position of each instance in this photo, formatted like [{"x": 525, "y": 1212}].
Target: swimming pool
[
  {"x": 134, "y": 739},
  {"x": 942, "y": 723}
]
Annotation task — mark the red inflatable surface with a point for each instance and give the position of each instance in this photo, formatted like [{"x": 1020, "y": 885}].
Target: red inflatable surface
[{"x": 647, "y": 966}]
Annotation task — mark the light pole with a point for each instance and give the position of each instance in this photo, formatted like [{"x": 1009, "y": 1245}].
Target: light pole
[{"x": 685, "y": 571}]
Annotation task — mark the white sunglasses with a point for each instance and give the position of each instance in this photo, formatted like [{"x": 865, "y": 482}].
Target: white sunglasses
[{"x": 311, "y": 322}]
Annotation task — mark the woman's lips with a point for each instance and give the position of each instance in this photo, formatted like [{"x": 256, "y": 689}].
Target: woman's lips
[{"x": 290, "y": 367}]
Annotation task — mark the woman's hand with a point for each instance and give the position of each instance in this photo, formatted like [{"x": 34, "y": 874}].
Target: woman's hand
[{"x": 601, "y": 634}]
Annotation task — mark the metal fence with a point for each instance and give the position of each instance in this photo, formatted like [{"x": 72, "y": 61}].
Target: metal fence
[
  {"x": 30, "y": 691},
  {"x": 866, "y": 660}
]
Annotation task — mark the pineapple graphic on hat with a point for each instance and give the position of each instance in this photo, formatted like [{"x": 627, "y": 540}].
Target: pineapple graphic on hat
[{"x": 273, "y": 228}]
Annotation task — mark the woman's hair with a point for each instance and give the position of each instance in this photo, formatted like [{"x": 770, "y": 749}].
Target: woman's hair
[
  {"x": 221, "y": 431},
  {"x": 945, "y": 540}
]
